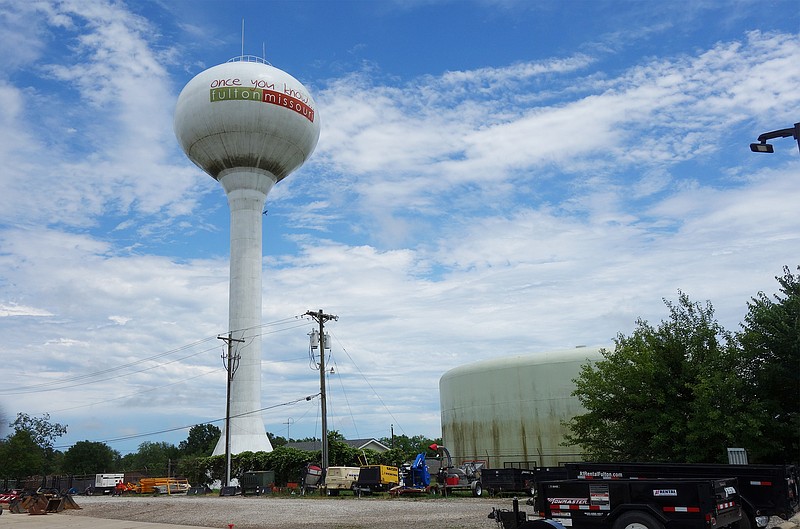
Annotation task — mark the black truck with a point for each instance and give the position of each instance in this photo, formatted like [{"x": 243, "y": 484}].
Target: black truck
[
  {"x": 765, "y": 490},
  {"x": 639, "y": 503}
]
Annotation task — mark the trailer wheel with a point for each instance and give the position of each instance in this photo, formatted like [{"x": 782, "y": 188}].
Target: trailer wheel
[
  {"x": 637, "y": 520},
  {"x": 477, "y": 490}
]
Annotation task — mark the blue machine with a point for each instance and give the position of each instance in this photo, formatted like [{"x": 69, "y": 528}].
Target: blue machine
[{"x": 418, "y": 475}]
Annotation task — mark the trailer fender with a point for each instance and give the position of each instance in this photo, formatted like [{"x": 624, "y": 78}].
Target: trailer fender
[{"x": 540, "y": 524}]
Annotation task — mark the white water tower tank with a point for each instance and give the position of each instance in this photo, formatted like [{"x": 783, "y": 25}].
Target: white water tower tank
[{"x": 243, "y": 114}]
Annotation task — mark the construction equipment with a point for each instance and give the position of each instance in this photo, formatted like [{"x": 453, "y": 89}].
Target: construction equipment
[
  {"x": 313, "y": 478},
  {"x": 449, "y": 477},
  {"x": 414, "y": 478},
  {"x": 8, "y": 497},
  {"x": 376, "y": 478},
  {"x": 40, "y": 502},
  {"x": 338, "y": 479},
  {"x": 162, "y": 486},
  {"x": 105, "y": 483}
]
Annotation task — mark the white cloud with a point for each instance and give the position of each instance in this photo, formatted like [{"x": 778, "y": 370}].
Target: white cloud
[{"x": 12, "y": 309}]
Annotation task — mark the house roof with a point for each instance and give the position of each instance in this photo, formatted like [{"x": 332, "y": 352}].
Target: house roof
[{"x": 370, "y": 443}]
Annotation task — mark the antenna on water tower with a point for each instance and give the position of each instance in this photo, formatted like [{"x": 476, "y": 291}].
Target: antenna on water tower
[{"x": 242, "y": 55}]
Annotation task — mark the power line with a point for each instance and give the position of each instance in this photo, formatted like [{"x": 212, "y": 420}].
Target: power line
[
  {"x": 150, "y": 434},
  {"x": 55, "y": 385},
  {"x": 368, "y": 384},
  {"x": 106, "y": 400},
  {"x": 155, "y": 388},
  {"x": 42, "y": 386},
  {"x": 40, "y": 390}
]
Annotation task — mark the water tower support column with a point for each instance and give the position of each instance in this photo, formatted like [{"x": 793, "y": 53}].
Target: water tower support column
[{"x": 247, "y": 193}]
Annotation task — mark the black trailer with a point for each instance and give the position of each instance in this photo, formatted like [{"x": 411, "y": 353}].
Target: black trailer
[
  {"x": 257, "y": 482},
  {"x": 518, "y": 480},
  {"x": 765, "y": 490},
  {"x": 644, "y": 504}
]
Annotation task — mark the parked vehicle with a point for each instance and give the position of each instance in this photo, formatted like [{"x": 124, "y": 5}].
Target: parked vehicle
[
  {"x": 341, "y": 478},
  {"x": 640, "y": 503},
  {"x": 765, "y": 490}
]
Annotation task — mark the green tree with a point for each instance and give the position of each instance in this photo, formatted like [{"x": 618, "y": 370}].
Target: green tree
[
  {"x": 89, "y": 457},
  {"x": 276, "y": 440},
  {"x": 667, "y": 393},
  {"x": 339, "y": 452},
  {"x": 770, "y": 339},
  {"x": 155, "y": 459},
  {"x": 21, "y": 457},
  {"x": 43, "y": 433},
  {"x": 201, "y": 440},
  {"x": 403, "y": 449}
]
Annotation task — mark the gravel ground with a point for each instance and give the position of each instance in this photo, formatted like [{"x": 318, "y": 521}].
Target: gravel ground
[
  {"x": 282, "y": 512},
  {"x": 293, "y": 512}
]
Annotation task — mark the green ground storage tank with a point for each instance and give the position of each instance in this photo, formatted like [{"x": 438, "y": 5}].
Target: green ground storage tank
[{"x": 508, "y": 411}]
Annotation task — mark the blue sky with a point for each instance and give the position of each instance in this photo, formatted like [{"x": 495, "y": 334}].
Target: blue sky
[{"x": 492, "y": 178}]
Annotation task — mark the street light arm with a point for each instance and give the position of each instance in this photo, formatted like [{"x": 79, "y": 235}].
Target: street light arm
[
  {"x": 763, "y": 146},
  {"x": 782, "y": 133}
]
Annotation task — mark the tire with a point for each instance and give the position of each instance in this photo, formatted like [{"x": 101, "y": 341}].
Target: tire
[
  {"x": 637, "y": 520},
  {"x": 477, "y": 490}
]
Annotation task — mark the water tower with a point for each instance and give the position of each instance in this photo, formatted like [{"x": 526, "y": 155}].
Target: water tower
[{"x": 248, "y": 125}]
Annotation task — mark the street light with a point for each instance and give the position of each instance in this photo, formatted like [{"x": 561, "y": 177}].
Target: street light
[{"x": 763, "y": 146}]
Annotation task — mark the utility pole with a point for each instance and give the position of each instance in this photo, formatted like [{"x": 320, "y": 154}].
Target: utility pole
[
  {"x": 231, "y": 363},
  {"x": 321, "y": 318},
  {"x": 288, "y": 423}
]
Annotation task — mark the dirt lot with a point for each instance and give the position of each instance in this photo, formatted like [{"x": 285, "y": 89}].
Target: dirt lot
[
  {"x": 282, "y": 512},
  {"x": 293, "y": 512}
]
